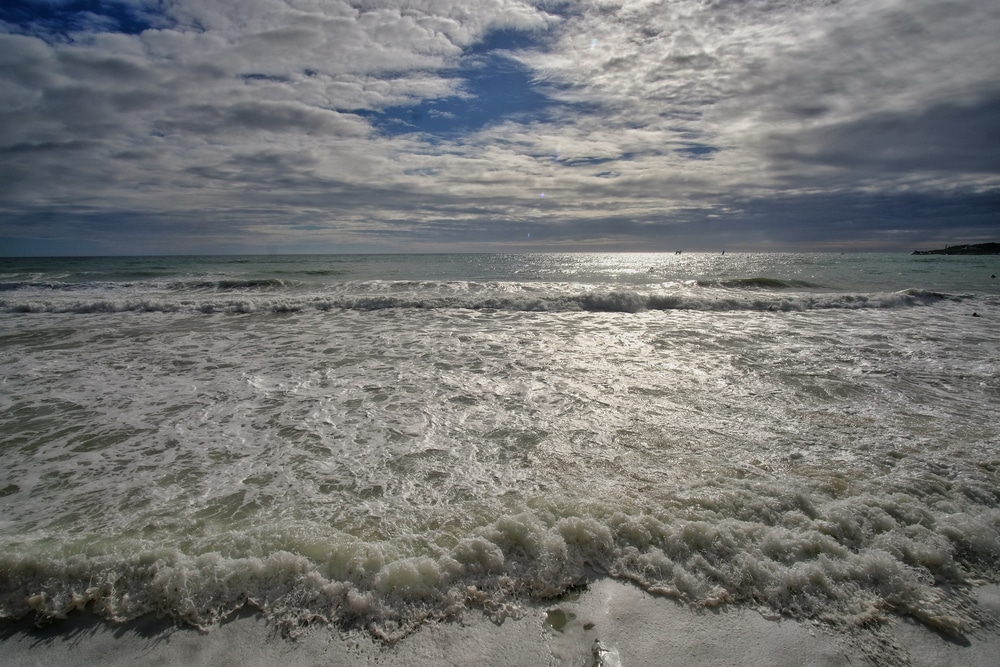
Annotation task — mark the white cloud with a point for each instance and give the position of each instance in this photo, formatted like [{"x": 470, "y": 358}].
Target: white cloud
[{"x": 656, "y": 107}]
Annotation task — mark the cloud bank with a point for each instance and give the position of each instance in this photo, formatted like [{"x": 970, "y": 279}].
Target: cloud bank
[{"x": 144, "y": 126}]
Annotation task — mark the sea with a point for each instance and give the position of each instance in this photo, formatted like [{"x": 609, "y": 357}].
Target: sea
[{"x": 375, "y": 442}]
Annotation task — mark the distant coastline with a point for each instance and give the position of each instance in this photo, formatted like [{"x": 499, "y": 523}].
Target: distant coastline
[{"x": 968, "y": 249}]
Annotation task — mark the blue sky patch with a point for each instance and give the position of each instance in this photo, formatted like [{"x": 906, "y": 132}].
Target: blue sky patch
[
  {"x": 505, "y": 40},
  {"x": 254, "y": 76},
  {"x": 61, "y": 18},
  {"x": 698, "y": 151},
  {"x": 493, "y": 88}
]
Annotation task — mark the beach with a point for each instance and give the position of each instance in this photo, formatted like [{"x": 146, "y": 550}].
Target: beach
[{"x": 631, "y": 628}]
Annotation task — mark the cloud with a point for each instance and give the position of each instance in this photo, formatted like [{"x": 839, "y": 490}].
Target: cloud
[
  {"x": 262, "y": 116},
  {"x": 412, "y": 122},
  {"x": 946, "y": 138}
]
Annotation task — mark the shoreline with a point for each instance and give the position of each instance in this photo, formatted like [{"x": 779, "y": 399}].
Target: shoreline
[{"x": 609, "y": 624}]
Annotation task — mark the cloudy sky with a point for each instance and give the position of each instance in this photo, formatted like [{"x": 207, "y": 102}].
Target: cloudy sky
[{"x": 202, "y": 126}]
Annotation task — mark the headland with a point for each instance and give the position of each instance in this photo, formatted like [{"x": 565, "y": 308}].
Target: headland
[{"x": 967, "y": 249}]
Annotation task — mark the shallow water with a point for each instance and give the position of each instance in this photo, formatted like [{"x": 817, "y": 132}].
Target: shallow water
[{"x": 377, "y": 440}]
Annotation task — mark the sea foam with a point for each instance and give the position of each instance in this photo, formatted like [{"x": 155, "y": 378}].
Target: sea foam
[{"x": 375, "y": 451}]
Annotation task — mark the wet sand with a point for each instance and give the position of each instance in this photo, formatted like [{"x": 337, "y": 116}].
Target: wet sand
[{"x": 608, "y": 624}]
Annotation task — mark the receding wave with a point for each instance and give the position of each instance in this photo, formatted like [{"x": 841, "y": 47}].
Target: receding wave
[{"x": 590, "y": 301}]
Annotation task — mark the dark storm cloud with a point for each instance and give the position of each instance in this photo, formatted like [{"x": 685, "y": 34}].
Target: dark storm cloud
[{"x": 947, "y": 137}]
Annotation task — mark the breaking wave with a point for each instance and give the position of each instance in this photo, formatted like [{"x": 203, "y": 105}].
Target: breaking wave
[
  {"x": 230, "y": 285},
  {"x": 266, "y": 297},
  {"x": 847, "y": 563},
  {"x": 760, "y": 282}
]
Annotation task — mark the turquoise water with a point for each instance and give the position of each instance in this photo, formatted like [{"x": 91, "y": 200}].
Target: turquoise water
[{"x": 380, "y": 440}]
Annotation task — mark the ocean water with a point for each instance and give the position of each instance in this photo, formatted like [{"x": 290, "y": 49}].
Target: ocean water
[{"x": 376, "y": 441}]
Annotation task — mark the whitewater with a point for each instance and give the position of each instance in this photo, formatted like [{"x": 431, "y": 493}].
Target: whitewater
[{"x": 377, "y": 442}]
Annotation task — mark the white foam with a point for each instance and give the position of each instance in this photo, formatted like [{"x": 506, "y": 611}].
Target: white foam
[{"x": 376, "y": 467}]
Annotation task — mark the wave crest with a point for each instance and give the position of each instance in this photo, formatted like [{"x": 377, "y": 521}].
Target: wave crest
[
  {"x": 621, "y": 301},
  {"x": 843, "y": 570}
]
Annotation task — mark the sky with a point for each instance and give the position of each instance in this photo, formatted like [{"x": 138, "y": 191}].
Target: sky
[{"x": 283, "y": 126}]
